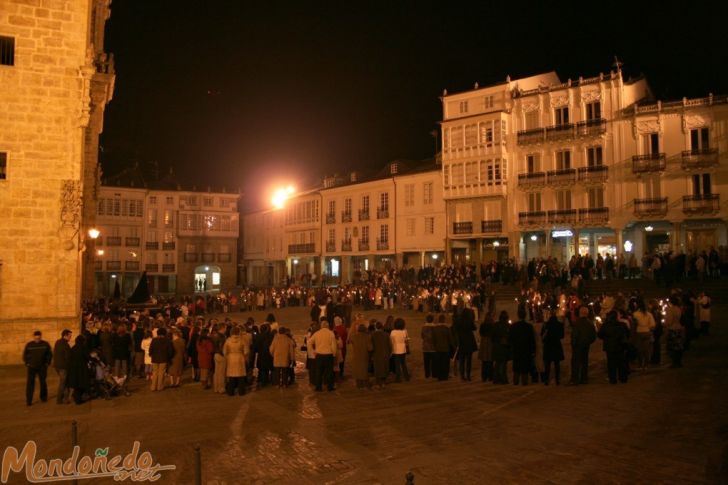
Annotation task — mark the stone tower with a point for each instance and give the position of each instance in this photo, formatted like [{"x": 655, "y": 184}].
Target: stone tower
[{"x": 55, "y": 81}]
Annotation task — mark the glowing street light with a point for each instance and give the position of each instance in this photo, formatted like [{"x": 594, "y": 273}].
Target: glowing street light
[
  {"x": 94, "y": 233},
  {"x": 100, "y": 252},
  {"x": 280, "y": 196}
]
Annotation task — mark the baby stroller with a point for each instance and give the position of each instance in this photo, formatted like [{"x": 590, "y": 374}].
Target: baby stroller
[{"x": 104, "y": 384}]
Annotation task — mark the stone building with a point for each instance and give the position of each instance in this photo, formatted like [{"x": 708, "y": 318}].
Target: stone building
[{"x": 55, "y": 81}]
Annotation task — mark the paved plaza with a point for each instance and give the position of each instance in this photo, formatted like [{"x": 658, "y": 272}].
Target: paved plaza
[{"x": 664, "y": 426}]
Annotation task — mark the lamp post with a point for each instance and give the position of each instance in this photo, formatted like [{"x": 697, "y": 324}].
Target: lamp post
[{"x": 88, "y": 278}]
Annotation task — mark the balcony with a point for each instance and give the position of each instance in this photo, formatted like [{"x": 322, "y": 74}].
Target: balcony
[
  {"x": 532, "y": 218},
  {"x": 151, "y": 268},
  {"x": 562, "y": 216},
  {"x": 560, "y": 132},
  {"x": 330, "y": 218},
  {"x": 594, "y": 216},
  {"x": 208, "y": 257},
  {"x": 595, "y": 174},
  {"x": 224, "y": 257},
  {"x": 330, "y": 246},
  {"x": 190, "y": 257},
  {"x": 382, "y": 245},
  {"x": 113, "y": 265},
  {"x": 152, "y": 245},
  {"x": 301, "y": 248},
  {"x": 364, "y": 245},
  {"x": 594, "y": 127},
  {"x": 131, "y": 265},
  {"x": 656, "y": 207},
  {"x": 346, "y": 217},
  {"x": 168, "y": 268},
  {"x": 701, "y": 204},
  {"x": 562, "y": 177},
  {"x": 491, "y": 226},
  {"x": 98, "y": 265},
  {"x": 382, "y": 213},
  {"x": 651, "y": 162},
  {"x": 462, "y": 228},
  {"x": 346, "y": 245},
  {"x": 364, "y": 215},
  {"x": 113, "y": 241},
  {"x": 168, "y": 246},
  {"x": 525, "y": 137},
  {"x": 699, "y": 159},
  {"x": 132, "y": 241},
  {"x": 531, "y": 180}
]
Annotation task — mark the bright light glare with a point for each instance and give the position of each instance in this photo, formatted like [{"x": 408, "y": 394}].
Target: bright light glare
[
  {"x": 94, "y": 233},
  {"x": 280, "y": 196},
  {"x": 290, "y": 189}
]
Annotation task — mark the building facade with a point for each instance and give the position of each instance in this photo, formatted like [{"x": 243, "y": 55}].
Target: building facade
[{"x": 55, "y": 81}]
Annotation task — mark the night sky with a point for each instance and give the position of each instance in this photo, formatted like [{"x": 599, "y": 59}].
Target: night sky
[{"x": 234, "y": 94}]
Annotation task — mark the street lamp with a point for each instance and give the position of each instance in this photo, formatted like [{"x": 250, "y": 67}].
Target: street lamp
[
  {"x": 281, "y": 195},
  {"x": 99, "y": 252},
  {"x": 94, "y": 233}
]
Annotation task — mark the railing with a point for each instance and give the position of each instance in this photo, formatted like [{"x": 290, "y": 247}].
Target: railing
[
  {"x": 562, "y": 177},
  {"x": 113, "y": 265},
  {"x": 596, "y": 215},
  {"x": 363, "y": 215},
  {"x": 302, "y": 248},
  {"x": 594, "y": 174},
  {"x": 330, "y": 246},
  {"x": 346, "y": 217},
  {"x": 462, "y": 228},
  {"x": 346, "y": 245},
  {"x": 557, "y": 132},
  {"x": 491, "y": 226},
  {"x": 190, "y": 257},
  {"x": 699, "y": 159},
  {"x": 151, "y": 268},
  {"x": 535, "y": 135},
  {"x": 593, "y": 127},
  {"x": 132, "y": 241},
  {"x": 330, "y": 218},
  {"x": 168, "y": 246},
  {"x": 364, "y": 245},
  {"x": 131, "y": 265},
  {"x": 562, "y": 216},
  {"x": 532, "y": 218},
  {"x": 152, "y": 245},
  {"x": 168, "y": 268},
  {"x": 650, "y": 207},
  {"x": 224, "y": 257},
  {"x": 113, "y": 240},
  {"x": 701, "y": 204},
  {"x": 651, "y": 162},
  {"x": 382, "y": 245},
  {"x": 382, "y": 213},
  {"x": 531, "y": 179},
  {"x": 208, "y": 257},
  {"x": 98, "y": 265}
]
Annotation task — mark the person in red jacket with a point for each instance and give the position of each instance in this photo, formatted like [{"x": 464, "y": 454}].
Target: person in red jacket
[{"x": 205, "y": 350}]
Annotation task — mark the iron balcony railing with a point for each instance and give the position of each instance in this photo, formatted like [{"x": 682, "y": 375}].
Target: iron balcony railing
[
  {"x": 131, "y": 265},
  {"x": 346, "y": 216},
  {"x": 363, "y": 215},
  {"x": 224, "y": 257},
  {"x": 699, "y": 159},
  {"x": 364, "y": 245},
  {"x": 208, "y": 257},
  {"x": 346, "y": 245},
  {"x": 462, "y": 228},
  {"x": 382, "y": 213},
  {"x": 382, "y": 245},
  {"x": 595, "y": 215},
  {"x": 113, "y": 265},
  {"x": 330, "y": 218},
  {"x": 532, "y": 218},
  {"x": 330, "y": 246},
  {"x": 650, "y": 162},
  {"x": 190, "y": 257},
  {"x": 168, "y": 246},
  {"x": 536, "y": 135},
  {"x": 301, "y": 248},
  {"x": 113, "y": 241},
  {"x": 152, "y": 245},
  {"x": 650, "y": 207},
  {"x": 701, "y": 204},
  {"x": 151, "y": 267},
  {"x": 531, "y": 179},
  {"x": 168, "y": 268},
  {"x": 562, "y": 216},
  {"x": 495, "y": 225},
  {"x": 594, "y": 174},
  {"x": 132, "y": 241},
  {"x": 561, "y": 177},
  {"x": 98, "y": 265},
  {"x": 593, "y": 127},
  {"x": 558, "y": 132}
]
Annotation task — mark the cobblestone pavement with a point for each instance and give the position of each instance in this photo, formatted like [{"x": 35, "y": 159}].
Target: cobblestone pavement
[{"x": 664, "y": 426}]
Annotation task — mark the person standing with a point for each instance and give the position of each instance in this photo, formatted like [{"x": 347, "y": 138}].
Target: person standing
[
  {"x": 583, "y": 334},
  {"x": 218, "y": 342},
  {"x": 464, "y": 326},
  {"x": 324, "y": 344},
  {"x": 78, "y": 376},
  {"x": 205, "y": 349},
  {"x": 234, "y": 353},
  {"x": 400, "y": 343},
  {"x": 501, "y": 349},
  {"x": 37, "y": 357},
  {"x": 361, "y": 346},
  {"x": 615, "y": 336},
  {"x": 62, "y": 362},
  {"x": 161, "y": 351},
  {"x": 311, "y": 353},
  {"x": 552, "y": 333},
  {"x": 522, "y": 342},
  {"x": 703, "y": 304},
  {"x": 675, "y": 332},
  {"x": 121, "y": 346},
  {"x": 178, "y": 359},
  {"x": 343, "y": 334},
  {"x": 428, "y": 347},
  {"x": 381, "y": 353},
  {"x": 644, "y": 326},
  {"x": 283, "y": 352},
  {"x": 485, "y": 350},
  {"x": 137, "y": 335}
]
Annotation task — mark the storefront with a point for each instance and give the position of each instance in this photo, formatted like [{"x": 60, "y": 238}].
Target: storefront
[{"x": 207, "y": 278}]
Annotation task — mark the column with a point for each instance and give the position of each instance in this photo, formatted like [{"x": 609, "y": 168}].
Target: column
[
  {"x": 676, "y": 236},
  {"x": 575, "y": 238},
  {"x": 620, "y": 239},
  {"x": 422, "y": 259},
  {"x": 547, "y": 236}
]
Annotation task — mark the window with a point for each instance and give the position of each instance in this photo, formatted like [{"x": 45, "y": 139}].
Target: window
[
  {"x": 410, "y": 227},
  {"x": 332, "y": 236},
  {"x": 409, "y": 195},
  {"x": 471, "y": 135},
  {"x": 457, "y": 137},
  {"x": 446, "y": 175},
  {"x": 384, "y": 201},
  {"x": 463, "y": 106},
  {"x": 488, "y": 102},
  {"x": 365, "y": 203},
  {"x": 4, "y": 166},
  {"x": 531, "y": 120},
  {"x": 561, "y": 115},
  {"x": 427, "y": 189},
  {"x": 169, "y": 200},
  {"x": 533, "y": 163},
  {"x": 168, "y": 221},
  {"x": 563, "y": 199},
  {"x": 429, "y": 225},
  {"x": 593, "y": 110},
  {"x": 594, "y": 156},
  {"x": 152, "y": 200},
  {"x": 493, "y": 172},
  {"x": 7, "y": 51},
  {"x": 152, "y": 217},
  {"x": 534, "y": 201},
  {"x": 702, "y": 184},
  {"x": 457, "y": 174},
  {"x": 471, "y": 173},
  {"x": 699, "y": 139},
  {"x": 347, "y": 205},
  {"x": 384, "y": 233},
  {"x": 364, "y": 234},
  {"x": 596, "y": 197},
  {"x": 332, "y": 207},
  {"x": 563, "y": 160},
  {"x": 207, "y": 201},
  {"x": 168, "y": 237},
  {"x": 651, "y": 143}
]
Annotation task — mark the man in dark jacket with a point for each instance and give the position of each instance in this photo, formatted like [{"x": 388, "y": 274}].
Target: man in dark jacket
[
  {"x": 62, "y": 362},
  {"x": 583, "y": 334},
  {"x": 443, "y": 343},
  {"x": 37, "y": 357},
  {"x": 615, "y": 337},
  {"x": 161, "y": 352},
  {"x": 522, "y": 341}
]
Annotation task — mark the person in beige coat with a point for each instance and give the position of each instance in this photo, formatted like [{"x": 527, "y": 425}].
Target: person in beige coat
[
  {"x": 284, "y": 353},
  {"x": 234, "y": 352}
]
